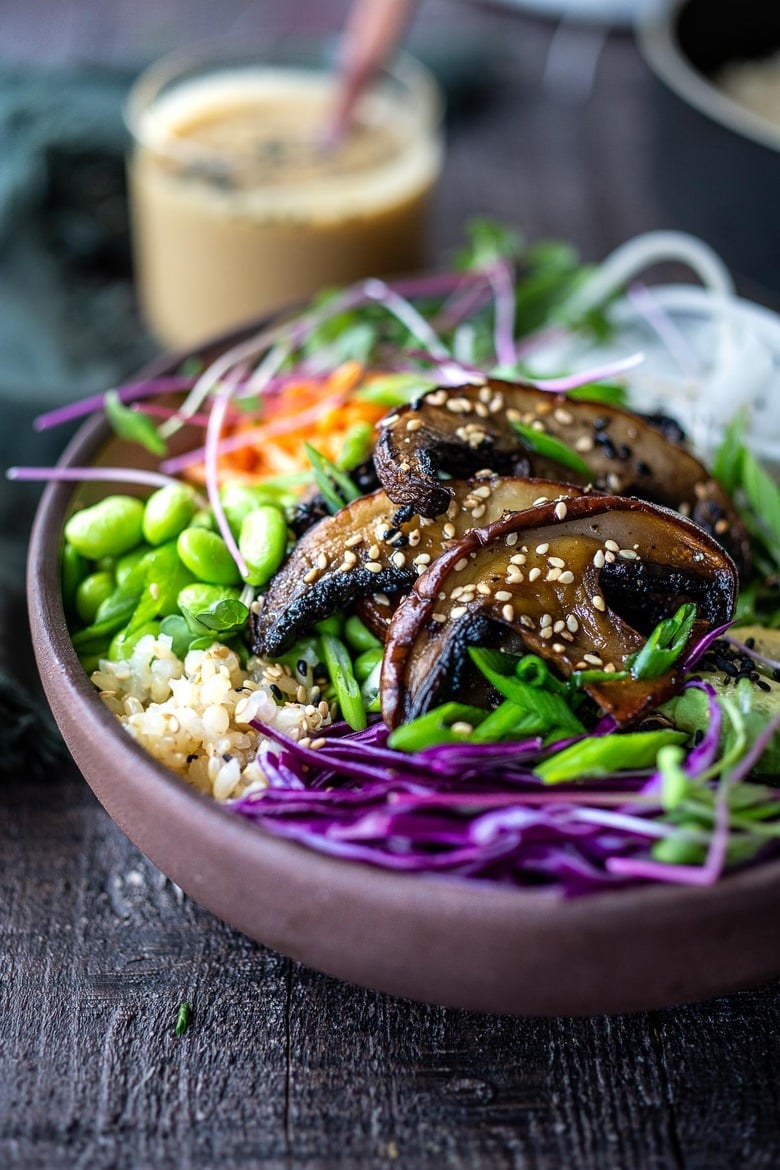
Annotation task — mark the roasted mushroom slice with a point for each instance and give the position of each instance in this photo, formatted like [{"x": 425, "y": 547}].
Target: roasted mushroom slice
[
  {"x": 367, "y": 550},
  {"x": 460, "y": 429},
  {"x": 582, "y": 582}
]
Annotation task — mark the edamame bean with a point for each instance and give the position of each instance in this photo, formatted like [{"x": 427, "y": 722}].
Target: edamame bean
[
  {"x": 358, "y": 636},
  {"x": 91, "y": 593},
  {"x": 239, "y": 499},
  {"x": 126, "y": 565},
  {"x": 262, "y": 543},
  {"x": 206, "y": 556},
  {"x": 366, "y": 662},
  {"x": 106, "y": 529},
  {"x": 168, "y": 512},
  {"x": 73, "y": 569},
  {"x": 204, "y": 518}
]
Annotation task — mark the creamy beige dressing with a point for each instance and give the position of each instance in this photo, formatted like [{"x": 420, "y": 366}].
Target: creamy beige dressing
[{"x": 238, "y": 207}]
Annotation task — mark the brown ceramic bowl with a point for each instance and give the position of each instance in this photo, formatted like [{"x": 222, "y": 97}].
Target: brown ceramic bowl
[{"x": 448, "y": 941}]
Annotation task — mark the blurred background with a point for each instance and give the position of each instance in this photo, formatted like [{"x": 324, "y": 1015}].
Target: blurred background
[{"x": 555, "y": 124}]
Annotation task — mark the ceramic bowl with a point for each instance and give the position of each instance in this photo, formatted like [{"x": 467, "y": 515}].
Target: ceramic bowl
[
  {"x": 716, "y": 164},
  {"x": 442, "y": 940}
]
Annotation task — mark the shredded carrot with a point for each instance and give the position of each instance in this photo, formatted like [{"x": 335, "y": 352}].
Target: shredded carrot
[{"x": 320, "y": 411}]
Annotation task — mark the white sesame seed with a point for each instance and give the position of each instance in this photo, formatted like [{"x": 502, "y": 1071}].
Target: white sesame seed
[
  {"x": 540, "y": 500},
  {"x": 478, "y": 512},
  {"x": 612, "y": 545},
  {"x": 559, "y": 627},
  {"x": 552, "y": 574},
  {"x": 398, "y": 559},
  {"x": 545, "y": 620},
  {"x": 508, "y": 613},
  {"x": 381, "y": 599},
  {"x": 374, "y": 552},
  {"x": 556, "y": 563},
  {"x": 485, "y": 589},
  {"x": 559, "y": 648},
  {"x": 518, "y": 559},
  {"x": 599, "y": 559},
  {"x": 414, "y": 537},
  {"x": 526, "y": 621},
  {"x": 609, "y": 558},
  {"x": 461, "y": 727},
  {"x": 373, "y": 566},
  {"x": 438, "y": 617},
  {"x": 312, "y": 575},
  {"x": 510, "y": 539},
  {"x": 448, "y": 531},
  {"x": 514, "y": 576},
  {"x": 534, "y": 574},
  {"x": 566, "y": 577},
  {"x": 460, "y": 565},
  {"x": 561, "y": 510},
  {"x": 598, "y": 602},
  {"x": 593, "y": 659},
  {"x": 628, "y": 554},
  {"x": 563, "y": 416},
  {"x": 422, "y": 559},
  {"x": 414, "y": 424},
  {"x": 458, "y": 611},
  {"x": 503, "y": 595},
  {"x": 572, "y": 623},
  {"x": 483, "y": 492},
  {"x": 546, "y": 633},
  {"x": 542, "y": 549},
  {"x": 584, "y": 444},
  {"x": 352, "y": 541}
]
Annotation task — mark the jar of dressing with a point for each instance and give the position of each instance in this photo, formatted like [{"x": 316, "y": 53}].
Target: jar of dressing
[{"x": 238, "y": 206}]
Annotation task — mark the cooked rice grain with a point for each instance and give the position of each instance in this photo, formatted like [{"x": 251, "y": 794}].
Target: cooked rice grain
[{"x": 194, "y": 715}]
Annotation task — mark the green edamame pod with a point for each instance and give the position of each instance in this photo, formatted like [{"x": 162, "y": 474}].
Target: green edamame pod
[
  {"x": 263, "y": 542},
  {"x": 91, "y": 593},
  {"x": 106, "y": 529},
  {"x": 168, "y": 512},
  {"x": 358, "y": 636},
  {"x": 206, "y": 556}
]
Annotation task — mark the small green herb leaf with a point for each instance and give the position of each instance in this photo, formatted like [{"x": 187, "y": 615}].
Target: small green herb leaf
[
  {"x": 132, "y": 425},
  {"x": 334, "y": 484},
  {"x": 183, "y": 1018}
]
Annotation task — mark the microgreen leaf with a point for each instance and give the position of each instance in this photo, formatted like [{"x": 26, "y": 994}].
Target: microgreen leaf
[
  {"x": 488, "y": 241},
  {"x": 183, "y": 1018},
  {"x": 334, "y": 484},
  {"x": 225, "y": 617},
  {"x": 551, "y": 447},
  {"x": 665, "y": 644},
  {"x": 132, "y": 425}
]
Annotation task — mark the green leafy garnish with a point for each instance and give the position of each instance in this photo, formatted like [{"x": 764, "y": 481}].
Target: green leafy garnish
[
  {"x": 225, "y": 617},
  {"x": 665, "y": 644},
  {"x": 488, "y": 240},
  {"x": 356, "y": 446},
  {"x": 335, "y": 486},
  {"x": 542, "y": 710},
  {"x": 551, "y": 447},
  {"x": 183, "y": 1018},
  {"x": 132, "y": 425},
  {"x": 395, "y": 389}
]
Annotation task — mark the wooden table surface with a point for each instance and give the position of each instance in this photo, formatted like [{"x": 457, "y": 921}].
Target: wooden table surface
[{"x": 282, "y": 1067}]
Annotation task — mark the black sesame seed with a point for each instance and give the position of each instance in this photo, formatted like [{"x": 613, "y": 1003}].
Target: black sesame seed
[
  {"x": 764, "y": 686},
  {"x": 192, "y": 757},
  {"x": 750, "y": 643},
  {"x": 644, "y": 468},
  {"x": 698, "y": 737},
  {"x": 276, "y": 692},
  {"x": 776, "y": 674},
  {"x": 302, "y": 667}
]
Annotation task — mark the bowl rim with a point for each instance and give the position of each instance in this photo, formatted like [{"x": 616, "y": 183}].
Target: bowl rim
[
  {"x": 436, "y": 912},
  {"x": 656, "y": 36}
]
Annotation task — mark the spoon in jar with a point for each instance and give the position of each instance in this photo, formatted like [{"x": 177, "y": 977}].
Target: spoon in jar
[{"x": 372, "y": 31}]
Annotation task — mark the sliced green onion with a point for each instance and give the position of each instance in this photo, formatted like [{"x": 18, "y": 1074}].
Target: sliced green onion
[
  {"x": 665, "y": 644},
  {"x": 602, "y": 755},
  {"x": 342, "y": 675},
  {"x": 183, "y": 1018},
  {"x": 439, "y": 725},
  {"x": 551, "y": 447}
]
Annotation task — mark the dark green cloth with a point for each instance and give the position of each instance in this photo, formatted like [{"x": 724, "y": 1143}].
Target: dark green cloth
[{"x": 68, "y": 324}]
